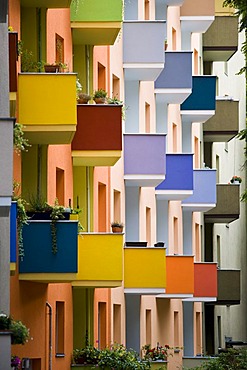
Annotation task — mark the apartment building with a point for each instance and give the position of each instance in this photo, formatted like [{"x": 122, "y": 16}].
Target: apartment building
[{"x": 176, "y": 275}]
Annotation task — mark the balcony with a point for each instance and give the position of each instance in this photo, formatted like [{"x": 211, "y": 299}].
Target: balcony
[
  {"x": 228, "y": 287},
  {"x": 100, "y": 260},
  {"x": 143, "y": 49},
  {"x": 223, "y": 126},
  {"x": 196, "y": 16},
  {"x": 139, "y": 266},
  {"x": 200, "y": 105},
  {"x": 178, "y": 183},
  {"x": 39, "y": 263},
  {"x": 180, "y": 276},
  {"x": 174, "y": 84},
  {"x": 204, "y": 193},
  {"x": 46, "y": 3},
  {"x": 205, "y": 281},
  {"x": 13, "y": 236},
  {"x": 228, "y": 205},
  {"x": 98, "y": 137},
  {"x": 220, "y": 41},
  {"x": 96, "y": 22},
  {"x": 47, "y": 107},
  {"x": 13, "y": 57},
  {"x": 144, "y": 159}
]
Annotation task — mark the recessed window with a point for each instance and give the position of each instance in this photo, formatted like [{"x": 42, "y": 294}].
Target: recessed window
[
  {"x": 59, "y": 49},
  {"x": 59, "y": 327},
  {"x": 117, "y": 323},
  {"x": 148, "y": 327}
]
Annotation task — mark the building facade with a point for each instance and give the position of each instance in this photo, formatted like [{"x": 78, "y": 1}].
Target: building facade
[{"x": 160, "y": 162}]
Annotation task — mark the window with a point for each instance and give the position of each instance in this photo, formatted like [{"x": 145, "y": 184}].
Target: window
[
  {"x": 101, "y": 77},
  {"x": 198, "y": 333},
  {"x": 117, "y": 323},
  {"x": 147, "y": 117},
  {"x": 197, "y": 153},
  {"x": 218, "y": 251},
  {"x": 176, "y": 329},
  {"x": 174, "y": 39},
  {"x": 115, "y": 87},
  {"x": 148, "y": 225},
  {"x": 197, "y": 242},
  {"x": 148, "y": 327},
  {"x": 175, "y": 235},
  {"x": 60, "y": 185},
  {"x": 195, "y": 62},
  {"x": 102, "y": 324},
  {"x": 117, "y": 206},
  {"x": 59, "y": 327},
  {"x": 59, "y": 49},
  {"x": 101, "y": 207},
  {"x": 147, "y": 10},
  {"x": 175, "y": 137}
]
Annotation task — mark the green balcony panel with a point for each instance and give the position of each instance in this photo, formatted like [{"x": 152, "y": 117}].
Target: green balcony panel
[
  {"x": 220, "y": 41},
  {"x": 223, "y": 126},
  {"x": 96, "y": 22},
  {"x": 228, "y": 204},
  {"x": 228, "y": 287}
]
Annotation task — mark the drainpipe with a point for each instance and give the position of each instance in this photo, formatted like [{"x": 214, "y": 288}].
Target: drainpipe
[{"x": 50, "y": 335}]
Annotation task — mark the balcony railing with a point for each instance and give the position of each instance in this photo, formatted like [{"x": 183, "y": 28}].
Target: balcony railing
[
  {"x": 220, "y": 41},
  {"x": 174, "y": 84},
  {"x": 47, "y": 107},
  {"x": 144, "y": 159},
  {"x": 224, "y": 125},
  {"x": 139, "y": 266},
  {"x": 228, "y": 205},
  {"x": 200, "y": 105},
  {"x": 98, "y": 137},
  {"x": 229, "y": 287},
  {"x": 100, "y": 260},
  {"x": 178, "y": 183},
  {"x": 143, "y": 49},
  {"x": 196, "y": 16},
  {"x": 96, "y": 22},
  {"x": 204, "y": 192},
  {"x": 39, "y": 263}
]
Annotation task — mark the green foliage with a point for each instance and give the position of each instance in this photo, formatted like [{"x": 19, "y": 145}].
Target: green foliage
[
  {"x": 20, "y": 143},
  {"x": 156, "y": 353},
  {"x": 19, "y": 332},
  {"x": 113, "y": 357},
  {"x": 22, "y": 217},
  {"x": 100, "y": 94},
  {"x": 57, "y": 213},
  {"x": 232, "y": 359}
]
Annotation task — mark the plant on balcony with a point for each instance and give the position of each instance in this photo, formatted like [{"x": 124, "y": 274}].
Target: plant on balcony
[
  {"x": 113, "y": 357},
  {"x": 19, "y": 332},
  {"x": 116, "y": 101},
  {"x": 100, "y": 96},
  {"x": 117, "y": 227},
  {"x": 235, "y": 179},
  {"x": 157, "y": 353},
  {"x": 55, "y": 67},
  {"x": 20, "y": 143},
  {"x": 83, "y": 98},
  {"x": 22, "y": 216}
]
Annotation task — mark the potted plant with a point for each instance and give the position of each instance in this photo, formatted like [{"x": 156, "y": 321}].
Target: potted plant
[
  {"x": 19, "y": 332},
  {"x": 157, "y": 355},
  {"x": 113, "y": 357},
  {"x": 55, "y": 67},
  {"x": 83, "y": 98},
  {"x": 117, "y": 227},
  {"x": 41, "y": 210},
  {"x": 99, "y": 96},
  {"x": 236, "y": 180}
]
